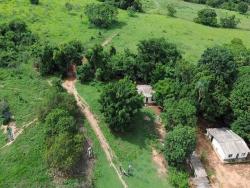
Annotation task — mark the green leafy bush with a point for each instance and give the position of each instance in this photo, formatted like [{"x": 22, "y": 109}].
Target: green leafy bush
[
  {"x": 178, "y": 178},
  {"x": 229, "y": 22},
  {"x": 120, "y": 103},
  {"x": 101, "y": 15},
  {"x": 207, "y": 17}
]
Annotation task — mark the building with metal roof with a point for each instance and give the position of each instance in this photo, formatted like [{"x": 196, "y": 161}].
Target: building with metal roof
[{"x": 229, "y": 146}]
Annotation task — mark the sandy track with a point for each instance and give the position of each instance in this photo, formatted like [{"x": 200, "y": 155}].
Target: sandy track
[
  {"x": 69, "y": 85},
  {"x": 108, "y": 40}
]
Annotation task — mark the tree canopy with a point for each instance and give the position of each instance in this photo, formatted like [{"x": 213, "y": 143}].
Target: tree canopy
[
  {"x": 101, "y": 15},
  {"x": 120, "y": 103},
  {"x": 179, "y": 144}
]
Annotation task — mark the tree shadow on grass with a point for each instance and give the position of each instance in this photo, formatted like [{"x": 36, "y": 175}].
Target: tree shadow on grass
[
  {"x": 143, "y": 131},
  {"x": 115, "y": 25}
]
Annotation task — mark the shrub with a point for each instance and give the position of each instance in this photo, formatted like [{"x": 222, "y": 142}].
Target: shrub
[
  {"x": 179, "y": 144},
  {"x": 120, "y": 103},
  {"x": 178, "y": 178},
  {"x": 5, "y": 113},
  {"x": 229, "y": 22},
  {"x": 171, "y": 10},
  {"x": 65, "y": 152},
  {"x": 34, "y": 2},
  {"x": 207, "y": 17},
  {"x": 101, "y": 15},
  {"x": 126, "y": 4},
  {"x": 243, "y": 7},
  {"x": 181, "y": 112}
]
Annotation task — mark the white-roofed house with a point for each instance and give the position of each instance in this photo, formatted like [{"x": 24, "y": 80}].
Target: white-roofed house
[
  {"x": 147, "y": 92},
  {"x": 229, "y": 146}
]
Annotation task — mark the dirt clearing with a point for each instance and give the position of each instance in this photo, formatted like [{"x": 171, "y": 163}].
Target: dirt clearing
[{"x": 222, "y": 175}]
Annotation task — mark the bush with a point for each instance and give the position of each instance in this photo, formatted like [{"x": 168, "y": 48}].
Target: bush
[
  {"x": 120, "y": 103},
  {"x": 126, "y": 4},
  {"x": 243, "y": 7},
  {"x": 229, "y": 22},
  {"x": 171, "y": 10},
  {"x": 207, "y": 17},
  {"x": 5, "y": 113},
  {"x": 179, "y": 144},
  {"x": 15, "y": 43},
  {"x": 178, "y": 178},
  {"x": 85, "y": 73},
  {"x": 181, "y": 112},
  {"x": 34, "y": 2},
  {"x": 241, "y": 125},
  {"x": 65, "y": 152},
  {"x": 101, "y": 15}
]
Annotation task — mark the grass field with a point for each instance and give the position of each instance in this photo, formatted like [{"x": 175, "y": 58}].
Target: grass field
[
  {"x": 131, "y": 148},
  {"x": 52, "y": 22}
]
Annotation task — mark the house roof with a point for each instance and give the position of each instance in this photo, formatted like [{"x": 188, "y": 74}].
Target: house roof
[
  {"x": 145, "y": 90},
  {"x": 230, "y": 142}
]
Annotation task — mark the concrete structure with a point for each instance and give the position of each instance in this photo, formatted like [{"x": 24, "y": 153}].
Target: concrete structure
[
  {"x": 229, "y": 146},
  {"x": 200, "y": 180},
  {"x": 147, "y": 92}
]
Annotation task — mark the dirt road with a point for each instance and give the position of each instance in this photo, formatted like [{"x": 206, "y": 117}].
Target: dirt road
[
  {"x": 108, "y": 40},
  {"x": 69, "y": 85}
]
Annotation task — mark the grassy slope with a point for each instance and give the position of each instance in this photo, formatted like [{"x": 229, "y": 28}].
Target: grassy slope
[
  {"x": 52, "y": 22},
  {"x": 134, "y": 148},
  {"x": 21, "y": 163}
]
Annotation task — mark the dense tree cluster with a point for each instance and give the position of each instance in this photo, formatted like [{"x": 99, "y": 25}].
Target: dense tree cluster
[
  {"x": 58, "y": 60},
  {"x": 209, "y": 17},
  {"x": 16, "y": 42},
  {"x": 152, "y": 62},
  {"x": 235, "y": 5},
  {"x": 135, "y": 5},
  {"x": 120, "y": 103},
  {"x": 240, "y": 102},
  {"x": 101, "y": 15},
  {"x": 64, "y": 142}
]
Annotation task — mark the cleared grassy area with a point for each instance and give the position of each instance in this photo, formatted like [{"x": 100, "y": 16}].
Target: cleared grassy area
[
  {"x": 22, "y": 164},
  {"x": 131, "y": 148},
  {"x": 52, "y": 22},
  {"x": 24, "y": 90}
]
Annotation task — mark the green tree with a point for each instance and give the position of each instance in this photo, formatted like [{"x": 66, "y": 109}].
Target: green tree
[
  {"x": 120, "y": 103},
  {"x": 85, "y": 73},
  {"x": 5, "y": 113},
  {"x": 241, "y": 126},
  {"x": 155, "y": 51},
  {"x": 101, "y": 15},
  {"x": 68, "y": 54},
  {"x": 207, "y": 17},
  {"x": 181, "y": 112},
  {"x": 243, "y": 7},
  {"x": 229, "y": 22},
  {"x": 179, "y": 144},
  {"x": 65, "y": 152},
  {"x": 59, "y": 121},
  {"x": 171, "y": 10}
]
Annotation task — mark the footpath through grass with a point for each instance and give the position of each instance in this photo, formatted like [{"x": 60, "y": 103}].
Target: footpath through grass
[{"x": 133, "y": 148}]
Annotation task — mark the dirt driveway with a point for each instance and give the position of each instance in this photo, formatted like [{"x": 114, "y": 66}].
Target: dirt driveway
[{"x": 223, "y": 175}]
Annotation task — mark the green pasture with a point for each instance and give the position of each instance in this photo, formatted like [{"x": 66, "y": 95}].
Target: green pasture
[{"x": 133, "y": 148}]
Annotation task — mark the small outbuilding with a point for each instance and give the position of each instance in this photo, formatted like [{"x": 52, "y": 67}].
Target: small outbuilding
[
  {"x": 229, "y": 146},
  {"x": 147, "y": 92}
]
